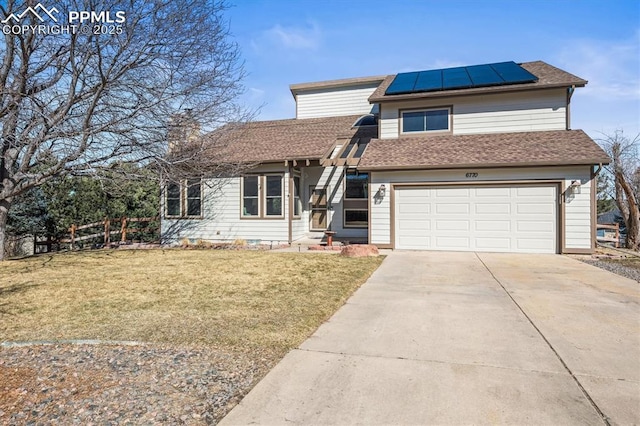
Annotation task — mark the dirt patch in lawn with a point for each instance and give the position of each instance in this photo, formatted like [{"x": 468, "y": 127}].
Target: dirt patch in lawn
[{"x": 250, "y": 306}]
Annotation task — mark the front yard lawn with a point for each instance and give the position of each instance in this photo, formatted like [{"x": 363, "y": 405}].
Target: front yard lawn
[{"x": 230, "y": 300}]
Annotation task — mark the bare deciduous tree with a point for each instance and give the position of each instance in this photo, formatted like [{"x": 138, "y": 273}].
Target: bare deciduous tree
[
  {"x": 624, "y": 169},
  {"x": 77, "y": 101}
]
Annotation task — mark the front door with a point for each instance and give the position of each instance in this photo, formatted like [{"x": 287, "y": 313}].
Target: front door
[{"x": 318, "y": 208}]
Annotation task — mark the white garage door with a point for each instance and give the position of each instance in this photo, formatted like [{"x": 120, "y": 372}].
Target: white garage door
[{"x": 521, "y": 218}]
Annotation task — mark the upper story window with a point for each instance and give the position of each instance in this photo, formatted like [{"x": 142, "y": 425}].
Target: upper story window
[{"x": 423, "y": 121}]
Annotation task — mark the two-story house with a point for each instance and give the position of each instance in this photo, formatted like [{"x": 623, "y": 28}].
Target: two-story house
[{"x": 476, "y": 158}]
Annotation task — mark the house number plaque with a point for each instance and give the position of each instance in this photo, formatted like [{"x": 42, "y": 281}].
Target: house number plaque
[{"x": 471, "y": 175}]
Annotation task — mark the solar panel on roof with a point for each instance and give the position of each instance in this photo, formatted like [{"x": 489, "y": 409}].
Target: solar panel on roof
[
  {"x": 484, "y": 75},
  {"x": 513, "y": 73},
  {"x": 428, "y": 80},
  {"x": 487, "y": 75},
  {"x": 403, "y": 83},
  {"x": 455, "y": 78}
]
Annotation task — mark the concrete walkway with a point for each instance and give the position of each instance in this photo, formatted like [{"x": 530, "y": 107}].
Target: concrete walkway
[{"x": 465, "y": 338}]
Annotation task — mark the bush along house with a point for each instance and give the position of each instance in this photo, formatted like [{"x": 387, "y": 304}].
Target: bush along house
[{"x": 474, "y": 158}]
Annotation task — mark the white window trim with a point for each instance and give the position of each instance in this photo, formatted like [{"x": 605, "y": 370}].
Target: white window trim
[{"x": 430, "y": 132}]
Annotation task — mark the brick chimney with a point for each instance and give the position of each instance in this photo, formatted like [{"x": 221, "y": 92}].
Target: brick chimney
[{"x": 183, "y": 128}]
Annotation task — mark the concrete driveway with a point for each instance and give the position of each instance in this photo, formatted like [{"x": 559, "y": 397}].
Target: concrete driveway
[{"x": 466, "y": 338}]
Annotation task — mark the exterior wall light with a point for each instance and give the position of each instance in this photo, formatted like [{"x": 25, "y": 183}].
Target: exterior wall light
[
  {"x": 382, "y": 190},
  {"x": 575, "y": 187}
]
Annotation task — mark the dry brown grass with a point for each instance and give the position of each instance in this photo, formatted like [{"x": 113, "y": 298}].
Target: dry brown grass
[
  {"x": 630, "y": 262},
  {"x": 226, "y": 299}
]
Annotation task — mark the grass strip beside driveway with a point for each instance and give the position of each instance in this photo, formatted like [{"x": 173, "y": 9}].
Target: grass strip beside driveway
[{"x": 232, "y": 300}]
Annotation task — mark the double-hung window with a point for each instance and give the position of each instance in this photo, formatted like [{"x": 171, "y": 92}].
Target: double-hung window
[
  {"x": 194, "y": 197},
  {"x": 173, "y": 199},
  {"x": 183, "y": 198},
  {"x": 356, "y": 199},
  {"x": 273, "y": 195},
  {"x": 262, "y": 196},
  {"x": 426, "y": 121},
  {"x": 250, "y": 196}
]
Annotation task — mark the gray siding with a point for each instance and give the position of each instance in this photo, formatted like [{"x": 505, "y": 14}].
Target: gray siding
[
  {"x": 334, "y": 102},
  {"x": 510, "y": 112}
]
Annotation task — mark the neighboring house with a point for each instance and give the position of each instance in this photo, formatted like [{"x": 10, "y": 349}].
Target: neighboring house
[
  {"x": 477, "y": 158},
  {"x": 611, "y": 218}
]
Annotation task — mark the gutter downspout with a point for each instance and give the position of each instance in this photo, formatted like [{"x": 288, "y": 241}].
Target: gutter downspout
[
  {"x": 570, "y": 91},
  {"x": 598, "y": 170},
  {"x": 594, "y": 206},
  {"x": 290, "y": 215}
]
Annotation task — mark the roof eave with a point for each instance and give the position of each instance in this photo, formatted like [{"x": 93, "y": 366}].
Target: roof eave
[
  {"x": 592, "y": 162},
  {"x": 330, "y": 84},
  {"x": 478, "y": 91}
]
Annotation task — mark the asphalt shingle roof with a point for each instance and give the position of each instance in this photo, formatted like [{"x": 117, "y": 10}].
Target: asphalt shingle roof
[
  {"x": 279, "y": 140},
  {"x": 558, "y": 147}
]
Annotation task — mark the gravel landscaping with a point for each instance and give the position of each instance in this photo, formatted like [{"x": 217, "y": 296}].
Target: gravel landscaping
[
  {"x": 123, "y": 384},
  {"x": 616, "y": 267}
]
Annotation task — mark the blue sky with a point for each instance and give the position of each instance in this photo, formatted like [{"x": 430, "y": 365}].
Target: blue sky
[{"x": 285, "y": 42}]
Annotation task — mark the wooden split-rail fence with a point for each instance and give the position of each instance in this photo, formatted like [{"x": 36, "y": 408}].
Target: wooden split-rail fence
[
  {"x": 611, "y": 233},
  {"x": 108, "y": 228}
]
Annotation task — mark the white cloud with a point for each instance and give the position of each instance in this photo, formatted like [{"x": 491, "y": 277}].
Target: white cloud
[
  {"x": 445, "y": 63},
  {"x": 255, "y": 93},
  {"x": 432, "y": 65},
  {"x": 611, "y": 67},
  {"x": 292, "y": 37}
]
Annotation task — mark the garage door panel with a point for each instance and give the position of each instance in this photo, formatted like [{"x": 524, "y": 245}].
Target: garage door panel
[
  {"x": 452, "y": 208},
  {"x": 452, "y": 192},
  {"x": 534, "y": 191},
  {"x": 497, "y": 208},
  {"x": 516, "y": 218},
  {"x": 413, "y": 243},
  {"x": 534, "y": 245},
  {"x": 411, "y": 225},
  {"x": 453, "y": 225},
  {"x": 496, "y": 244},
  {"x": 492, "y": 192},
  {"x": 418, "y": 193},
  {"x": 453, "y": 243},
  {"x": 422, "y": 209},
  {"x": 534, "y": 226},
  {"x": 493, "y": 225},
  {"x": 535, "y": 208}
]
